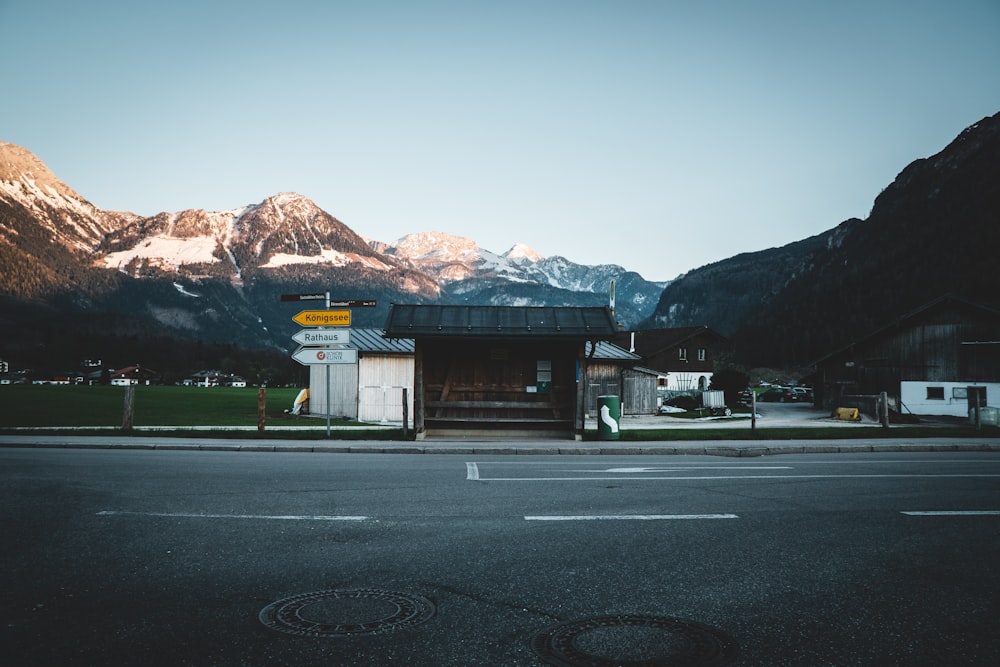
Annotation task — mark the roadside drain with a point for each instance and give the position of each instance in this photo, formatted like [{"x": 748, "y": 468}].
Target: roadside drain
[
  {"x": 634, "y": 641},
  {"x": 351, "y": 612}
]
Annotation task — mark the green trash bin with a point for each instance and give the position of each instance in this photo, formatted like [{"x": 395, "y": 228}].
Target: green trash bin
[{"x": 608, "y": 417}]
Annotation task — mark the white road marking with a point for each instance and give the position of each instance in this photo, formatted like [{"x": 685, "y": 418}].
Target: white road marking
[
  {"x": 955, "y": 513},
  {"x": 628, "y": 517},
  {"x": 680, "y": 468},
  {"x": 472, "y": 471},
  {"x": 279, "y": 517},
  {"x": 720, "y": 477}
]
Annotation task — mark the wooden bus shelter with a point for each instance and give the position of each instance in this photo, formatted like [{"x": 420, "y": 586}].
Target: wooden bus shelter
[{"x": 499, "y": 370}]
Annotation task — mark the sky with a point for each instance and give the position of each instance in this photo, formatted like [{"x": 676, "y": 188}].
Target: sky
[{"x": 658, "y": 135}]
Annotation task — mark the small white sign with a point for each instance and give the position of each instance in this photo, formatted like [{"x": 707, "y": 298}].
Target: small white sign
[
  {"x": 320, "y": 337},
  {"x": 308, "y": 356}
]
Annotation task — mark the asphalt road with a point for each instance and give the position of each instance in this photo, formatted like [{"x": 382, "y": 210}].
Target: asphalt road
[{"x": 243, "y": 558}]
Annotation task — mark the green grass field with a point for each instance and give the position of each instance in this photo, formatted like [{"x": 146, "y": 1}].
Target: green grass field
[
  {"x": 81, "y": 406},
  {"x": 219, "y": 408}
]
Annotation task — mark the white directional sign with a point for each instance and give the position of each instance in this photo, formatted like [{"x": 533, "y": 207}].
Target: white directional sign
[
  {"x": 321, "y": 355},
  {"x": 320, "y": 337}
]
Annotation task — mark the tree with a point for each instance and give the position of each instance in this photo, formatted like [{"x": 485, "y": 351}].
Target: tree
[{"x": 732, "y": 382}]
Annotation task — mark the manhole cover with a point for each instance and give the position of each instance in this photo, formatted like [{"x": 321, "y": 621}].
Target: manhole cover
[
  {"x": 634, "y": 641},
  {"x": 329, "y": 613}
]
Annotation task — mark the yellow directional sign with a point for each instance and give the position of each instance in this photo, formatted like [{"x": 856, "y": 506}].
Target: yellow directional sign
[{"x": 323, "y": 318}]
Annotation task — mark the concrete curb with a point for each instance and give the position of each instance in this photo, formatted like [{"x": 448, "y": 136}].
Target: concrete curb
[{"x": 721, "y": 449}]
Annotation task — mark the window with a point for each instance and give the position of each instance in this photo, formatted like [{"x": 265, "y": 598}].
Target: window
[
  {"x": 701, "y": 354},
  {"x": 935, "y": 393},
  {"x": 682, "y": 353}
]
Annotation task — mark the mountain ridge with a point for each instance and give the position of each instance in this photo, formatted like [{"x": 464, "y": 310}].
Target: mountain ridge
[
  {"x": 932, "y": 231},
  {"x": 218, "y": 276}
]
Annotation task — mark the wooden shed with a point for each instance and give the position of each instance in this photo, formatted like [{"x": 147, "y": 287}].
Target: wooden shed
[
  {"x": 492, "y": 370},
  {"x": 612, "y": 370},
  {"x": 370, "y": 390}
]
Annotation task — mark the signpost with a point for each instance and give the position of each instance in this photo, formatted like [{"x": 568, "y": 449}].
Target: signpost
[
  {"x": 305, "y": 297},
  {"x": 321, "y": 337},
  {"x": 323, "y": 318},
  {"x": 351, "y": 303},
  {"x": 323, "y": 346},
  {"x": 308, "y": 356}
]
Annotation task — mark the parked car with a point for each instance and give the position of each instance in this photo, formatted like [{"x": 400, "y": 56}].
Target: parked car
[
  {"x": 777, "y": 395},
  {"x": 803, "y": 394}
]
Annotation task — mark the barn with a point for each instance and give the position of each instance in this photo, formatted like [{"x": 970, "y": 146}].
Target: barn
[
  {"x": 499, "y": 370},
  {"x": 926, "y": 361}
]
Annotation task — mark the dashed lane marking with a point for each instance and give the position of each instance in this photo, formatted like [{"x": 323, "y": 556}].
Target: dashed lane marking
[
  {"x": 277, "y": 517},
  {"x": 955, "y": 513},
  {"x": 628, "y": 517}
]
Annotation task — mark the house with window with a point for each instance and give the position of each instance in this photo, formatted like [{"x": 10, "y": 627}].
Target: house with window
[
  {"x": 934, "y": 360},
  {"x": 684, "y": 356},
  {"x": 204, "y": 378},
  {"x": 133, "y": 375}
]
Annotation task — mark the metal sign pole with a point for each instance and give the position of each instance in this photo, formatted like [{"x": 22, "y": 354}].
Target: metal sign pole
[{"x": 328, "y": 403}]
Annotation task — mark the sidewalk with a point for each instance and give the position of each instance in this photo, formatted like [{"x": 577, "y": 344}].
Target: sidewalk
[
  {"x": 485, "y": 446},
  {"x": 767, "y": 418}
]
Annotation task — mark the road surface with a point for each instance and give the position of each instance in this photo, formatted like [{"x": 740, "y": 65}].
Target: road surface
[{"x": 245, "y": 558}]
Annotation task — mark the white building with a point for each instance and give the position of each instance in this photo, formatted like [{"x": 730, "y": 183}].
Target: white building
[{"x": 370, "y": 390}]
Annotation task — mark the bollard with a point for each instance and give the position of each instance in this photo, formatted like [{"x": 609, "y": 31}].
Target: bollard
[{"x": 608, "y": 417}]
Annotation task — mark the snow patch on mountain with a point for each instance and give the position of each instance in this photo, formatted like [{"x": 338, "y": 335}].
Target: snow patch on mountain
[
  {"x": 519, "y": 251},
  {"x": 166, "y": 252},
  {"x": 326, "y": 256},
  {"x": 183, "y": 290}
]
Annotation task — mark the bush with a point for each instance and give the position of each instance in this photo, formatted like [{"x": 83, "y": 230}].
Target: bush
[{"x": 684, "y": 402}]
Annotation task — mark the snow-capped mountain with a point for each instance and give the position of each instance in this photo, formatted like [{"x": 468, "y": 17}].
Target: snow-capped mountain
[
  {"x": 283, "y": 230},
  {"x": 218, "y": 275},
  {"x": 463, "y": 268}
]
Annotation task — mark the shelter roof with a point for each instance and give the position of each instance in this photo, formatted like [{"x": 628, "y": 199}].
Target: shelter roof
[{"x": 422, "y": 321}]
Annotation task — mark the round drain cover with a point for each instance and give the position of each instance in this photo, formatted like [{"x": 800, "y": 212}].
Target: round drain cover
[
  {"x": 634, "y": 641},
  {"x": 330, "y": 613}
]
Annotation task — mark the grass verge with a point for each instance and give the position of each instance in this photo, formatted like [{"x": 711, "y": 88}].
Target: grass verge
[{"x": 215, "y": 408}]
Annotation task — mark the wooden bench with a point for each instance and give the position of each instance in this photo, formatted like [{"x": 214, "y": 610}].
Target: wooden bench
[{"x": 468, "y": 406}]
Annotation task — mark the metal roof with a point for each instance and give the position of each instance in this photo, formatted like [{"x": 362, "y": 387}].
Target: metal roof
[
  {"x": 415, "y": 321},
  {"x": 606, "y": 350},
  {"x": 649, "y": 342},
  {"x": 373, "y": 340}
]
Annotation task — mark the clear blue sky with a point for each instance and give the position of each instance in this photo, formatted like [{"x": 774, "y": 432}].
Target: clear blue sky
[{"x": 656, "y": 135}]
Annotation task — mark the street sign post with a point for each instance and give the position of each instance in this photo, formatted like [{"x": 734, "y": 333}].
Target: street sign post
[
  {"x": 350, "y": 303},
  {"x": 354, "y": 303},
  {"x": 323, "y": 318},
  {"x": 308, "y": 356},
  {"x": 304, "y": 297},
  {"x": 322, "y": 337},
  {"x": 317, "y": 342}
]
